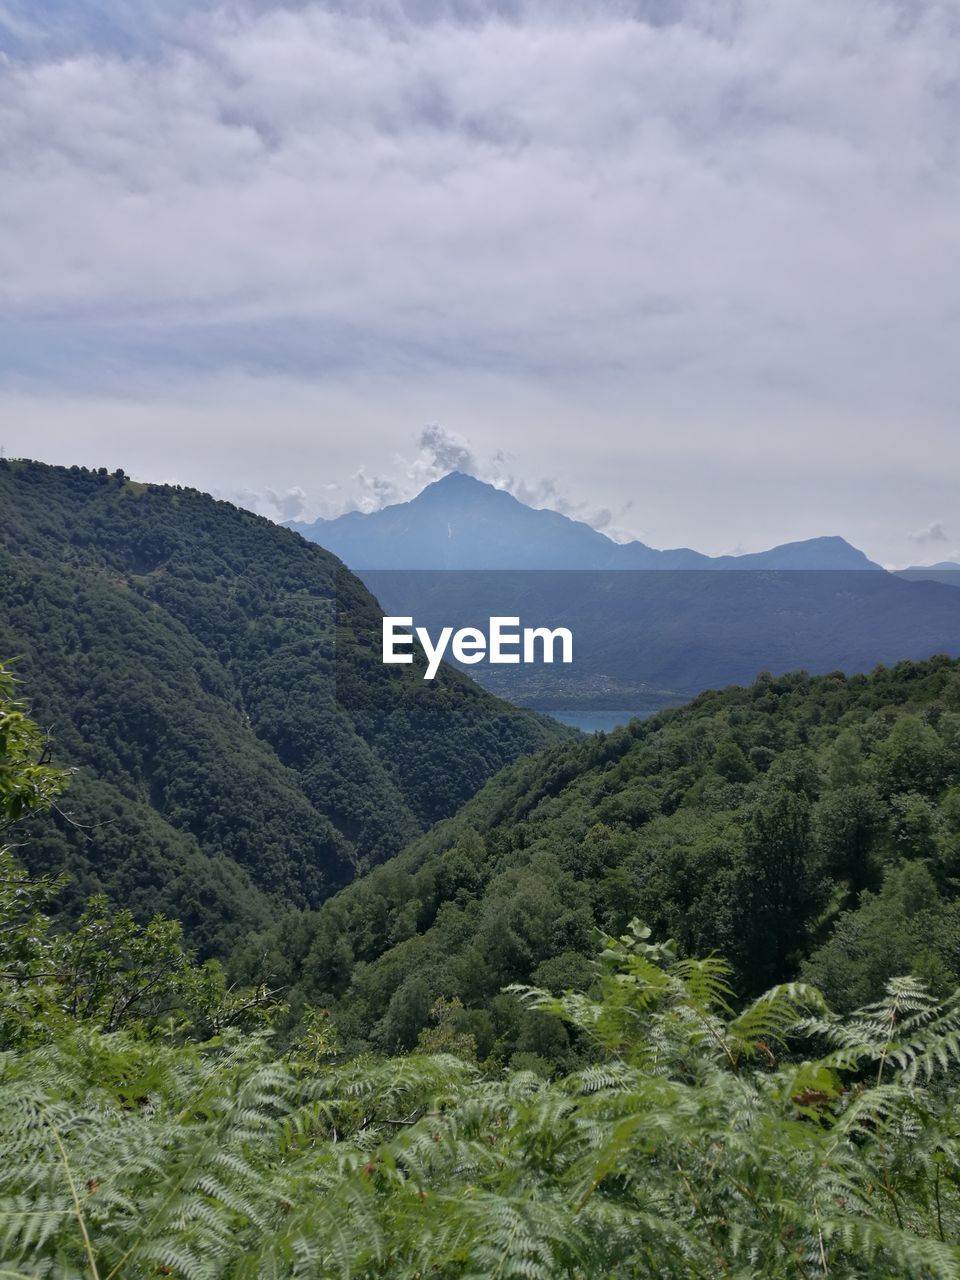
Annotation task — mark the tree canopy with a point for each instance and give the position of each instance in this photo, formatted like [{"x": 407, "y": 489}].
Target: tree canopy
[
  {"x": 215, "y": 681},
  {"x": 800, "y": 826}
]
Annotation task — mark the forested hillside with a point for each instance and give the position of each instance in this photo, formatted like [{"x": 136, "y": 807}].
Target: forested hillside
[
  {"x": 150, "y": 1124},
  {"x": 239, "y": 744},
  {"x": 801, "y": 825}
]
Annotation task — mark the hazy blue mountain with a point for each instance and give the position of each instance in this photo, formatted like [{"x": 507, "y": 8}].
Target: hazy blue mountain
[
  {"x": 651, "y": 627},
  {"x": 460, "y": 522},
  {"x": 647, "y": 639},
  {"x": 947, "y": 571}
]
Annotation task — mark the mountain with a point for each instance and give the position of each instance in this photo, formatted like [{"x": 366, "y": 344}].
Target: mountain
[
  {"x": 216, "y": 681},
  {"x": 645, "y": 639},
  {"x": 652, "y": 628},
  {"x": 460, "y": 522},
  {"x": 944, "y": 571},
  {"x": 796, "y": 821}
]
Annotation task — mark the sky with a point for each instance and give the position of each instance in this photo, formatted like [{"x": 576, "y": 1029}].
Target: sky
[{"x": 687, "y": 269}]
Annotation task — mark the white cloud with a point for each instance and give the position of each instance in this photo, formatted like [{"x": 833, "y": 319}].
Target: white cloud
[
  {"x": 440, "y": 451},
  {"x": 716, "y": 243},
  {"x": 288, "y": 505},
  {"x": 734, "y": 192},
  {"x": 443, "y": 451},
  {"x": 933, "y": 532}
]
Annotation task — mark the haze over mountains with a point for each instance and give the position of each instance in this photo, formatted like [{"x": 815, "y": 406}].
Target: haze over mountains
[
  {"x": 943, "y": 571},
  {"x": 652, "y": 627},
  {"x": 459, "y": 522}
]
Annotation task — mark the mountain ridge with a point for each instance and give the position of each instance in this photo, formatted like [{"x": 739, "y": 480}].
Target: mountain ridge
[
  {"x": 946, "y": 571},
  {"x": 216, "y": 682},
  {"x": 800, "y": 784},
  {"x": 460, "y": 522}
]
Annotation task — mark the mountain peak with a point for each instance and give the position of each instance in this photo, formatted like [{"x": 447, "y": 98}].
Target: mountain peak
[
  {"x": 456, "y": 485},
  {"x": 457, "y": 479},
  {"x": 461, "y": 522}
]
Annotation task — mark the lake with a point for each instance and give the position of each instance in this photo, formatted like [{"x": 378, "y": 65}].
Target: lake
[{"x": 595, "y": 721}]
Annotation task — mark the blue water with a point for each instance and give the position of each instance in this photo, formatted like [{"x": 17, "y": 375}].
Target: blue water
[{"x": 594, "y": 721}]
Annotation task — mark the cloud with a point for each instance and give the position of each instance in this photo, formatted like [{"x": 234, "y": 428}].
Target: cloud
[
  {"x": 743, "y": 193},
  {"x": 290, "y": 504},
  {"x": 934, "y": 532},
  {"x": 373, "y": 492},
  {"x": 440, "y": 451},
  {"x": 444, "y": 451},
  {"x": 672, "y": 254}
]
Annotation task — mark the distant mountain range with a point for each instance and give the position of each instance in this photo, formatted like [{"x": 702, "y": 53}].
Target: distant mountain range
[
  {"x": 643, "y": 639},
  {"x": 943, "y": 571},
  {"x": 460, "y": 522}
]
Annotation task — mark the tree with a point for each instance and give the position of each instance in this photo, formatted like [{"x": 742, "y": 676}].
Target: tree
[
  {"x": 847, "y": 824},
  {"x": 906, "y": 927},
  {"x": 108, "y": 970},
  {"x": 27, "y": 780},
  {"x": 912, "y": 757},
  {"x": 779, "y": 884},
  {"x": 447, "y": 1034},
  {"x": 730, "y": 762}
]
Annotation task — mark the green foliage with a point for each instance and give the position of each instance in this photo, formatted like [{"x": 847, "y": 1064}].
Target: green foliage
[
  {"x": 906, "y": 926},
  {"x": 698, "y": 1143},
  {"x": 730, "y": 762},
  {"x": 449, "y": 1033},
  {"x": 107, "y": 971},
  {"x": 149, "y": 1126},
  {"x": 216, "y": 683},
  {"x": 756, "y": 823},
  {"x": 26, "y": 780}
]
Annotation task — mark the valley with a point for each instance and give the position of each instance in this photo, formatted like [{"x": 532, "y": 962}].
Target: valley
[
  {"x": 209, "y": 677},
  {"x": 479, "y": 640},
  {"x": 277, "y": 916}
]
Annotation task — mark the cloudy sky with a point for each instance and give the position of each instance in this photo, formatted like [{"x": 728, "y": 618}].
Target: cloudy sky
[{"x": 687, "y": 268}]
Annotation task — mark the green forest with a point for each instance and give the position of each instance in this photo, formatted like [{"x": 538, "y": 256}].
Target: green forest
[
  {"x": 801, "y": 827},
  {"x": 313, "y": 969},
  {"x": 154, "y": 1123},
  {"x": 212, "y": 679}
]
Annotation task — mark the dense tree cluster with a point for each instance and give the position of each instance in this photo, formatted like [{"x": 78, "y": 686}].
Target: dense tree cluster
[
  {"x": 216, "y": 682},
  {"x": 798, "y": 826},
  {"x": 153, "y": 1122}
]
